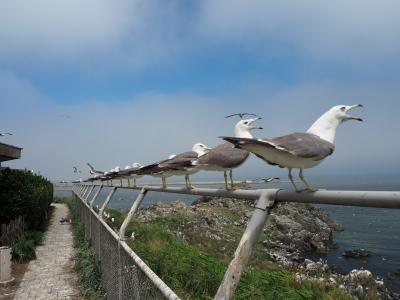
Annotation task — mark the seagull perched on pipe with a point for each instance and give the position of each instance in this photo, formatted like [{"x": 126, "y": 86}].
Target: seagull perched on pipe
[
  {"x": 130, "y": 172},
  {"x": 180, "y": 164},
  {"x": 225, "y": 157},
  {"x": 300, "y": 150},
  {"x": 268, "y": 179}
]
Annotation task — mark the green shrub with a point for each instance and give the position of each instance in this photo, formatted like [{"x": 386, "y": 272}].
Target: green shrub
[
  {"x": 23, "y": 249},
  {"x": 24, "y": 194},
  {"x": 89, "y": 277},
  {"x": 36, "y": 236}
]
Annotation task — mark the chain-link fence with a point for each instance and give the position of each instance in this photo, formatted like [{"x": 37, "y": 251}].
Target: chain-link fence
[{"x": 123, "y": 274}]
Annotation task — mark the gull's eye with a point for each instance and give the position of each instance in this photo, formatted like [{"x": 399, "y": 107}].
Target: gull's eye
[
  {"x": 343, "y": 108},
  {"x": 245, "y": 123}
]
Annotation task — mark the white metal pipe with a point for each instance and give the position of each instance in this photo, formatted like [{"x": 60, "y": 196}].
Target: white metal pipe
[
  {"x": 90, "y": 191},
  {"x": 131, "y": 212},
  {"x": 246, "y": 245},
  {"x": 378, "y": 199},
  {"x": 104, "y": 206},
  {"x": 95, "y": 196}
]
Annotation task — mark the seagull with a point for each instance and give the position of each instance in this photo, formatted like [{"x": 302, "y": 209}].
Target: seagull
[
  {"x": 300, "y": 150},
  {"x": 5, "y": 133},
  {"x": 93, "y": 172},
  {"x": 130, "y": 172},
  {"x": 241, "y": 115},
  {"x": 224, "y": 157},
  {"x": 180, "y": 164},
  {"x": 268, "y": 179}
]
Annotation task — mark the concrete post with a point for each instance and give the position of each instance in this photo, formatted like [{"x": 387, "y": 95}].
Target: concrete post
[{"x": 5, "y": 266}]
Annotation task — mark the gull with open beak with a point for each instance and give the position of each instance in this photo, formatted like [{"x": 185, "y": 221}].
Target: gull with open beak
[{"x": 300, "y": 150}]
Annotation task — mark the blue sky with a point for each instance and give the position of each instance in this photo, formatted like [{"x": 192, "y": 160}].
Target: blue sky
[{"x": 143, "y": 79}]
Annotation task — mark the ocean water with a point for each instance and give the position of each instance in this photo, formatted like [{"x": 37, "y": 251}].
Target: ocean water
[{"x": 376, "y": 230}]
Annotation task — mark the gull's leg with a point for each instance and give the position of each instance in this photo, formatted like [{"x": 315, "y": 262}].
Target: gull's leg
[
  {"x": 188, "y": 183},
  {"x": 308, "y": 186},
  {"x": 129, "y": 182},
  {"x": 226, "y": 181},
  {"x": 164, "y": 182},
  {"x": 134, "y": 181},
  {"x": 231, "y": 176},
  {"x": 291, "y": 180}
]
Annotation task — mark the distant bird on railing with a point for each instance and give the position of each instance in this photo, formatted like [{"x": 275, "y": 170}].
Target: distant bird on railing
[
  {"x": 5, "y": 133},
  {"x": 299, "y": 150},
  {"x": 268, "y": 179},
  {"x": 225, "y": 157},
  {"x": 130, "y": 172},
  {"x": 241, "y": 115},
  {"x": 178, "y": 165}
]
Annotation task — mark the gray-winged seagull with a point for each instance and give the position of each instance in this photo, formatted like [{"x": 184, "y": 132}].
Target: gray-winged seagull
[
  {"x": 300, "y": 150},
  {"x": 225, "y": 157},
  {"x": 130, "y": 172},
  {"x": 94, "y": 172},
  {"x": 180, "y": 164}
]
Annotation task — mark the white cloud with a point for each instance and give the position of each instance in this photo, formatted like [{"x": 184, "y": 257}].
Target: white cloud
[
  {"x": 136, "y": 34},
  {"x": 151, "y": 126},
  {"x": 318, "y": 29},
  {"x": 92, "y": 32}
]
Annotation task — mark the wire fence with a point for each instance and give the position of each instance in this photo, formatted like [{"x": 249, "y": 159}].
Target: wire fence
[
  {"x": 123, "y": 274},
  {"x": 126, "y": 276}
]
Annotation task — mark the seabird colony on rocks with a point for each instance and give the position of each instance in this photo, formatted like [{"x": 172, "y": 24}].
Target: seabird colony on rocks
[
  {"x": 300, "y": 150},
  {"x": 292, "y": 151}
]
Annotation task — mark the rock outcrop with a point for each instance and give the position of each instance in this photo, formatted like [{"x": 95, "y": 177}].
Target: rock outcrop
[{"x": 292, "y": 232}]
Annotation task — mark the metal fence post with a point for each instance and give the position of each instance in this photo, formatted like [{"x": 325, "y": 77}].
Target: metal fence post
[
  {"x": 95, "y": 196},
  {"x": 83, "y": 191},
  {"x": 90, "y": 191},
  {"x": 104, "y": 206},
  {"x": 246, "y": 245},
  {"x": 86, "y": 193},
  {"x": 131, "y": 212}
]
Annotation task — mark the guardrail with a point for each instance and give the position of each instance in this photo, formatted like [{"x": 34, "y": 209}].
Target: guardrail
[{"x": 264, "y": 202}]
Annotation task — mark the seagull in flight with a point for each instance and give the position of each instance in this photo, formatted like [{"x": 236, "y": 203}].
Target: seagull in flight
[
  {"x": 242, "y": 114},
  {"x": 76, "y": 170},
  {"x": 300, "y": 150},
  {"x": 94, "y": 172}
]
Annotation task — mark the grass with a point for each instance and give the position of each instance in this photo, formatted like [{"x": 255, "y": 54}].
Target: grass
[
  {"x": 89, "y": 277},
  {"x": 196, "y": 274},
  {"x": 23, "y": 248}
]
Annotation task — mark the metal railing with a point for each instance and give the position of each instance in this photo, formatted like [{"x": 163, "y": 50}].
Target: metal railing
[{"x": 264, "y": 199}]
